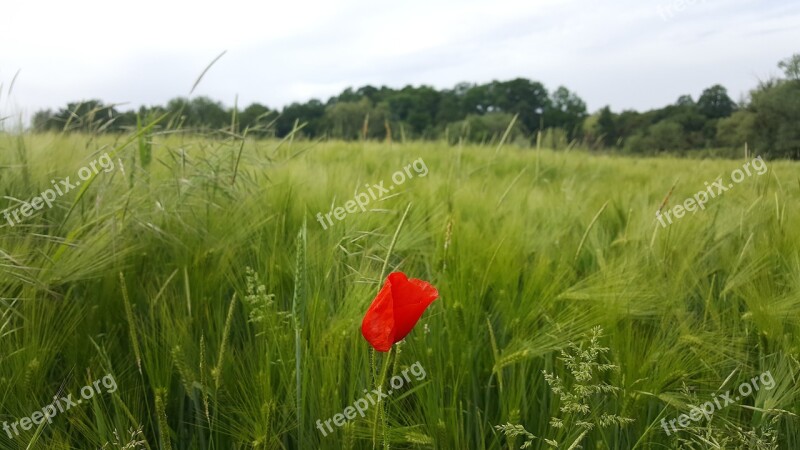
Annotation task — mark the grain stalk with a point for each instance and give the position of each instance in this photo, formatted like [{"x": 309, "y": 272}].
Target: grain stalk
[
  {"x": 161, "y": 414},
  {"x": 588, "y": 229},
  {"x": 131, "y": 322},
  {"x": 382, "y": 412},
  {"x": 299, "y": 301},
  {"x": 217, "y": 372}
]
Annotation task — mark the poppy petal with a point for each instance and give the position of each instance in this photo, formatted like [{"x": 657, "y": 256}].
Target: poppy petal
[
  {"x": 395, "y": 310},
  {"x": 411, "y": 299},
  {"x": 378, "y": 324}
]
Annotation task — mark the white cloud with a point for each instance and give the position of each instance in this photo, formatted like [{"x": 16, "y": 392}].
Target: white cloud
[{"x": 624, "y": 54}]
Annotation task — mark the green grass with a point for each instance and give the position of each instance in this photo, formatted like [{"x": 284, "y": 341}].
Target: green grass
[{"x": 145, "y": 277}]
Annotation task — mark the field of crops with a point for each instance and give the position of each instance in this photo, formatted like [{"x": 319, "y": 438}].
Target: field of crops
[{"x": 208, "y": 292}]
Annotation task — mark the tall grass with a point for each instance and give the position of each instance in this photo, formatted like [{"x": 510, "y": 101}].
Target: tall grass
[{"x": 139, "y": 278}]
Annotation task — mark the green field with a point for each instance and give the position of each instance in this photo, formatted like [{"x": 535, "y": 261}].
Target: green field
[{"x": 150, "y": 274}]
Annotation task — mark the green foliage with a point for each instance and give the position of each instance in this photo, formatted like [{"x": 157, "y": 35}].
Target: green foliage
[
  {"x": 776, "y": 127},
  {"x": 513, "y": 431},
  {"x": 259, "y": 303},
  {"x": 605, "y": 130},
  {"x": 42, "y": 120},
  {"x": 257, "y": 119},
  {"x": 567, "y": 112},
  {"x": 738, "y": 128},
  {"x": 716, "y": 293},
  {"x": 714, "y": 103},
  {"x": 347, "y": 120},
  {"x": 580, "y": 400},
  {"x": 487, "y": 128},
  {"x": 374, "y": 113},
  {"x": 311, "y": 114},
  {"x": 663, "y": 136},
  {"x": 86, "y": 116},
  {"x": 791, "y": 67},
  {"x": 134, "y": 442},
  {"x": 198, "y": 113},
  {"x": 475, "y": 112}
]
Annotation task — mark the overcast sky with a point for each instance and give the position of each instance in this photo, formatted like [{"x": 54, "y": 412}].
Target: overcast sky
[{"x": 626, "y": 53}]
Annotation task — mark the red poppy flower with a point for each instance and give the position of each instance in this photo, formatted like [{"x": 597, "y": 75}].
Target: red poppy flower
[{"x": 396, "y": 310}]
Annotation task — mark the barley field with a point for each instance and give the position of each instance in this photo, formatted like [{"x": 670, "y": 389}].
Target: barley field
[{"x": 195, "y": 295}]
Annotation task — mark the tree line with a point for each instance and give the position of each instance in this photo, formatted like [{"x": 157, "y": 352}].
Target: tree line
[{"x": 520, "y": 110}]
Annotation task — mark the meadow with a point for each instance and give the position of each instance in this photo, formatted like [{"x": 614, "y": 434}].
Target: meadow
[{"x": 196, "y": 275}]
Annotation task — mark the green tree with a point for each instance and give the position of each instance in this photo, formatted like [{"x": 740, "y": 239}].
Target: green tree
[
  {"x": 568, "y": 111},
  {"x": 257, "y": 118},
  {"x": 199, "y": 113},
  {"x": 736, "y": 130},
  {"x": 714, "y": 103},
  {"x": 475, "y": 98},
  {"x": 450, "y": 107},
  {"x": 685, "y": 101},
  {"x": 417, "y": 107},
  {"x": 487, "y": 127},
  {"x": 527, "y": 98},
  {"x": 791, "y": 67},
  {"x": 86, "y": 115},
  {"x": 666, "y": 135},
  {"x": 207, "y": 113},
  {"x": 777, "y": 122},
  {"x": 606, "y": 128},
  {"x": 309, "y": 114},
  {"x": 43, "y": 120},
  {"x": 345, "y": 120}
]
